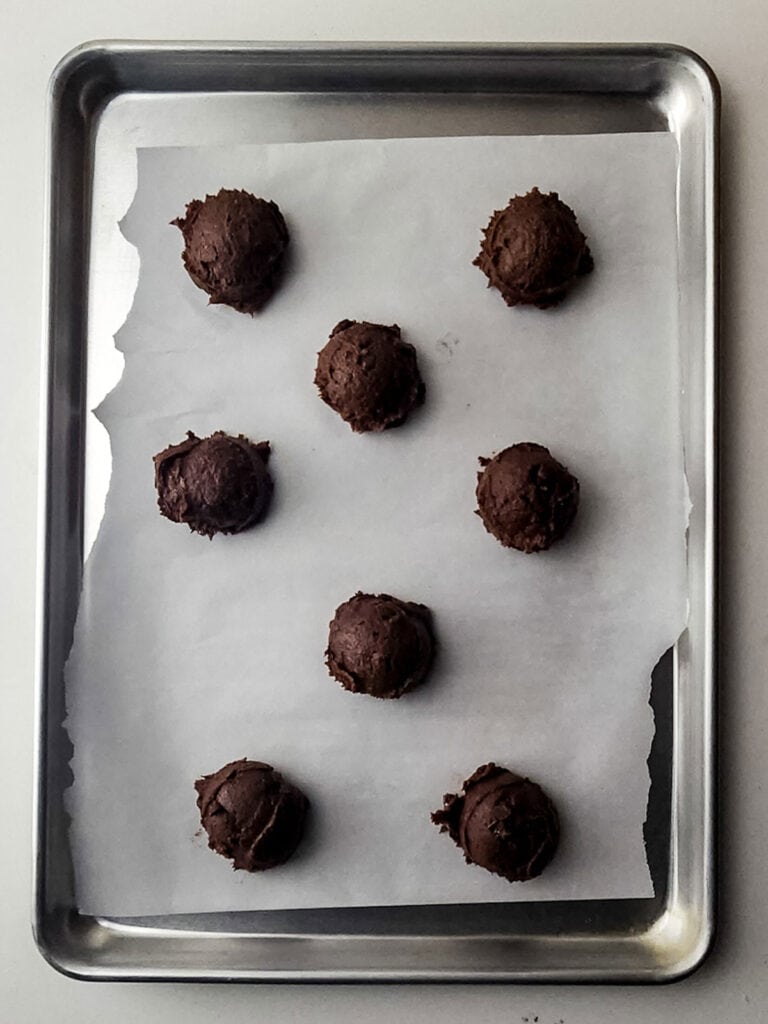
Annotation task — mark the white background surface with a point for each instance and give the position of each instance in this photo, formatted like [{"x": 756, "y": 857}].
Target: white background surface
[{"x": 732, "y": 986}]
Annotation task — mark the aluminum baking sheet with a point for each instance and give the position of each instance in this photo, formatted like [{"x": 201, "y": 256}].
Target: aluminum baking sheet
[{"x": 260, "y": 94}]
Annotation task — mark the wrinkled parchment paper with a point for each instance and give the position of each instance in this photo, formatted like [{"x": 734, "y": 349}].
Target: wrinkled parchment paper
[{"x": 190, "y": 653}]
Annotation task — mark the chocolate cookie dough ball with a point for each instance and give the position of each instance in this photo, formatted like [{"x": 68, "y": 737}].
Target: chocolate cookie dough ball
[
  {"x": 525, "y": 498},
  {"x": 234, "y": 244},
  {"x": 533, "y": 250},
  {"x": 503, "y": 822},
  {"x": 251, "y": 814},
  {"x": 216, "y": 484},
  {"x": 369, "y": 375},
  {"x": 380, "y": 645}
]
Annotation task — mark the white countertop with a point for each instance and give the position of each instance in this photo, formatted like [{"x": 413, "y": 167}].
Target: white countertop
[{"x": 732, "y": 985}]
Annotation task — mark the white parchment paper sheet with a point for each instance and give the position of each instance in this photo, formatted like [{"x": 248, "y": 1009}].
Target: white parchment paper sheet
[{"x": 190, "y": 653}]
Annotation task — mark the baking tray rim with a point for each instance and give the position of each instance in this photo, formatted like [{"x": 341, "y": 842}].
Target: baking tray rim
[{"x": 700, "y": 943}]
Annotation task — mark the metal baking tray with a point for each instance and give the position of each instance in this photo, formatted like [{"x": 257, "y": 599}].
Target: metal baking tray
[{"x": 108, "y": 98}]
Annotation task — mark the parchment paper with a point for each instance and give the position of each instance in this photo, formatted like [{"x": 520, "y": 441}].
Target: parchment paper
[{"x": 190, "y": 653}]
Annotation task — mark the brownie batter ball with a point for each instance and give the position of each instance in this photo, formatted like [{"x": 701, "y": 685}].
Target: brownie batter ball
[
  {"x": 216, "y": 484},
  {"x": 526, "y": 498},
  {"x": 251, "y": 814},
  {"x": 380, "y": 645},
  {"x": 369, "y": 375},
  {"x": 533, "y": 250},
  {"x": 234, "y": 244},
  {"x": 503, "y": 822}
]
